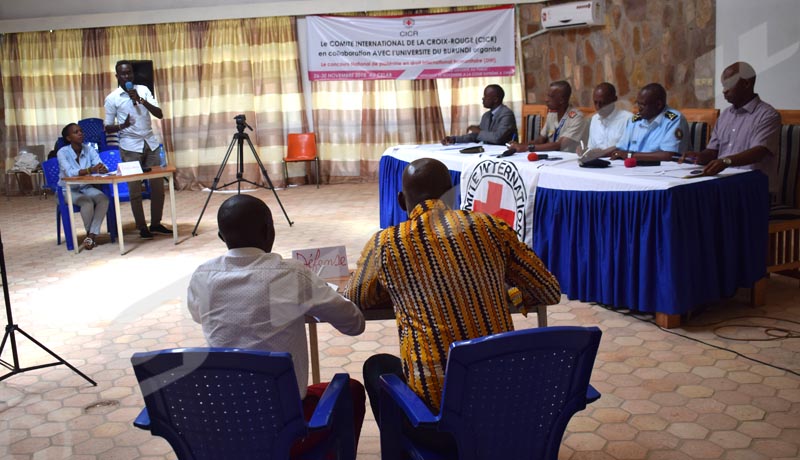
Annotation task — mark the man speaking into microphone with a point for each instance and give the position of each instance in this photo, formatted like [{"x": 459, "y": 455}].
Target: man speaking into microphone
[{"x": 128, "y": 109}]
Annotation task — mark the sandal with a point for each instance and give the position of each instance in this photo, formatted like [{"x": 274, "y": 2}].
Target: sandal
[{"x": 89, "y": 243}]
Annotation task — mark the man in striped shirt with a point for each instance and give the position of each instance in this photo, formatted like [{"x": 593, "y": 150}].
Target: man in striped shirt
[{"x": 446, "y": 273}]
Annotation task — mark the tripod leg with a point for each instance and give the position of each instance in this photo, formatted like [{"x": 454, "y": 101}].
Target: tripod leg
[
  {"x": 215, "y": 183},
  {"x": 59, "y": 358},
  {"x": 266, "y": 176}
]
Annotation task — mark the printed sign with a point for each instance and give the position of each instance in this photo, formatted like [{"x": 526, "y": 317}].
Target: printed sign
[
  {"x": 129, "y": 168},
  {"x": 417, "y": 47},
  {"x": 328, "y": 262}
]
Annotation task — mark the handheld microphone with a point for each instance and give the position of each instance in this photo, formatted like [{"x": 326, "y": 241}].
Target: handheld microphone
[
  {"x": 630, "y": 162},
  {"x": 128, "y": 87},
  {"x": 537, "y": 156}
]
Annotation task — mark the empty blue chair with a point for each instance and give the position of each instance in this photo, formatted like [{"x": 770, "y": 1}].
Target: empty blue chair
[
  {"x": 219, "y": 403},
  {"x": 63, "y": 215},
  {"x": 506, "y": 396}
]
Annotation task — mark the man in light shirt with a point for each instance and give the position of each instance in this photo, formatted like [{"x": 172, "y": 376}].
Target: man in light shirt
[
  {"x": 608, "y": 123},
  {"x": 128, "y": 114},
  {"x": 251, "y": 297}
]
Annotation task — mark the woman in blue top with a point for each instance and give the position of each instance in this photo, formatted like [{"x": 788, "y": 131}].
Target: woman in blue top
[{"x": 79, "y": 159}]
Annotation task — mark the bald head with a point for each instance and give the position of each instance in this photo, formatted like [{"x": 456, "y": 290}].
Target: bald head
[
  {"x": 423, "y": 179},
  {"x": 246, "y": 222}
]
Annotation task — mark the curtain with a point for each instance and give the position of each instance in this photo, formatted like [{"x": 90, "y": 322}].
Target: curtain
[{"x": 205, "y": 74}]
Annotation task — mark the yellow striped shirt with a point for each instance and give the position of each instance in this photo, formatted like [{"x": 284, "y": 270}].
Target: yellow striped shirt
[{"x": 445, "y": 273}]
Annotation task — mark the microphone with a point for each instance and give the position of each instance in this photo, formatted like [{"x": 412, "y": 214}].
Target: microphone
[
  {"x": 507, "y": 153},
  {"x": 537, "y": 156},
  {"x": 128, "y": 87}
]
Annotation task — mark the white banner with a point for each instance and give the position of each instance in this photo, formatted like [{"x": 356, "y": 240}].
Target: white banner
[{"x": 417, "y": 47}]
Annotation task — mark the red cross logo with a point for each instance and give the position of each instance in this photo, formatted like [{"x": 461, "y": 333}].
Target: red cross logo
[
  {"x": 492, "y": 204},
  {"x": 408, "y": 22}
]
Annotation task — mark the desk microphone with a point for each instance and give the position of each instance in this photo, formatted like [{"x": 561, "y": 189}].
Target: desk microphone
[
  {"x": 128, "y": 87},
  {"x": 537, "y": 156}
]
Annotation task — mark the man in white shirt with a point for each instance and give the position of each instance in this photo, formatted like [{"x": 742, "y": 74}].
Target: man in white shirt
[
  {"x": 608, "y": 123},
  {"x": 128, "y": 113},
  {"x": 252, "y": 298}
]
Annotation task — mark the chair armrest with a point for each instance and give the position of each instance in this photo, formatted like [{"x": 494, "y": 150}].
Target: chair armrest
[
  {"x": 592, "y": 395},
  {"x": 323, "y": 413},
  {"x": 405, "y": 398},
  {"x": 142, "y": 420}
]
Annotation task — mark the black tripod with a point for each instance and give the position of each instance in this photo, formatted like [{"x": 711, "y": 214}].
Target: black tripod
[
  {"x": 12, "y": 328},
  {"x": 238, "y": 139}
]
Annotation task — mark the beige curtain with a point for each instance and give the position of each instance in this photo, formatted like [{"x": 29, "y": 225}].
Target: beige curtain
[{"x": 205, "y": 74}]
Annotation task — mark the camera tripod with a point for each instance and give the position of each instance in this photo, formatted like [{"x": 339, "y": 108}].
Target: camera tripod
[
  {"x": 12, "y": 328},
  {"x": 238, "y": 139}
]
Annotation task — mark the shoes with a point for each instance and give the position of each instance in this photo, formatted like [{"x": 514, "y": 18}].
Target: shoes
[
  {"x": 145, "y": 234},
  {"x": 158, "y": 228},
  {"x": 89, "y": 243}
]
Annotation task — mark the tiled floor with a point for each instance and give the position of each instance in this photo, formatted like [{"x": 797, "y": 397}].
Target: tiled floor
[{"x": 664, "y": 396}]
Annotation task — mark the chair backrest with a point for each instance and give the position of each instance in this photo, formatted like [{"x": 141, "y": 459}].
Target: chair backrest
[
  {"x": 533, "y": 116},
  {"x": 511, "y": 395},
  {"x": 60, "y": 142},
  {"x": 587, "y": 113},
  {"x": 110, "y": 158},
  {"x": 93, "y": 131},
  {"x": 301, "y": 146},
  {"x": 701, "y": 124},
  {"x": 50, "y": 168},
  {"x": 789, "y": 159},
  {"x": 212, "y": 403}
]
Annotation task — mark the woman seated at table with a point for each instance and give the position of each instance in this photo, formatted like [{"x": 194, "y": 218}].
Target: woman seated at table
[{"x": 79, "y": 159}]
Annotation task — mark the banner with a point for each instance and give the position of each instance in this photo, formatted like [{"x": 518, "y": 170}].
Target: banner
[{"x": 416, "y": 47}]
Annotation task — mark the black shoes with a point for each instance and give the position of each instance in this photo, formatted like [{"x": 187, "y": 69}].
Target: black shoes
[
  {"x": 158, "y": 228},
  {"x": 145, "y": 234}
]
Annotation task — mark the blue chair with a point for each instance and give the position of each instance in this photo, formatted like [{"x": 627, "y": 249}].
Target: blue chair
[
  {"x": 507, "y": 395},
  {"x": 63, "y": 215},
  {"x": 93, "y": 132},
  {"x": 214, "y": 403}
]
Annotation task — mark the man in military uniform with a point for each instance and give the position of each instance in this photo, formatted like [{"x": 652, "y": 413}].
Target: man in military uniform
[
  {"x": 565, "y": 126},
  {"x": 657, "y": 132}
]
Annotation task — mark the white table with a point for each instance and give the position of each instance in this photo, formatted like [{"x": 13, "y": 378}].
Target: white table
[{"x": 156, "y": 173}]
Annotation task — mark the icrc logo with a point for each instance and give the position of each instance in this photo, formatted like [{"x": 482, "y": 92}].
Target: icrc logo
[
  {"x": 408, "y": 22},
  {"x": 497, "y": 188}
]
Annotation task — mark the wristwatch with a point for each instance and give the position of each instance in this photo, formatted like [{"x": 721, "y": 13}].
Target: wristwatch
[{"x": 727, "y": 161}]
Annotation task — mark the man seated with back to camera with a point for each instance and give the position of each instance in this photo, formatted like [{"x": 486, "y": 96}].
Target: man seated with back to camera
[
  {"x": 498, "y": 125},
  {"x": 747, "y": 133},
  {"x": 565, "y": 126},
  {"x": 657, "y": 132},
  {"x": 446, "y": 274},
  {"x": 250, "y": 297}
]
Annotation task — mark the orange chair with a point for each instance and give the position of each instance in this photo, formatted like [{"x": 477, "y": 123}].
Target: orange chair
[{"x": 302, "y": 147}]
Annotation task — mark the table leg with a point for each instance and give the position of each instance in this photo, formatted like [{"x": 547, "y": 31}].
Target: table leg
[
  {"x": 71, "y": 219},
  {"x": 172, "y": 206},
  {"x": 114, "y": 185},
  {"x": 668, "y": 321},
  {"x": 314, "y": 350}
]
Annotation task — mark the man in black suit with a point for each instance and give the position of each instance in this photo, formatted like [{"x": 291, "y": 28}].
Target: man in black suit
[{"x": 498, "y": 125}]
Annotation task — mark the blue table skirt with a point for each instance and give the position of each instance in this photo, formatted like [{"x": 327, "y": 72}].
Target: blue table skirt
[
  {"x": 390, "y": 181},
  {"x": 664, "y": 251}
]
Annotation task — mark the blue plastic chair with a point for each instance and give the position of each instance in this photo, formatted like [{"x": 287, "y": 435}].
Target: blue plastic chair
[
  {"x": 507, "y": 395},
  {"x": 93, "y": 132},
  {"x": 51, "y": 176},
  {"x": 214, "y": 403}
]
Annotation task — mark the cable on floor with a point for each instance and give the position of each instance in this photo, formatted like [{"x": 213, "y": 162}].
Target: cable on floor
[{"x": 769, "y": 330}]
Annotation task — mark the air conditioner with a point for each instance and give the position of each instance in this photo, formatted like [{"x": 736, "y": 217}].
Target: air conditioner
[{"x": 574, "y": 14}]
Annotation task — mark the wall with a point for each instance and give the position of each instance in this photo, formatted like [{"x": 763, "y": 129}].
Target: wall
[{"x": 642, "y": 41}]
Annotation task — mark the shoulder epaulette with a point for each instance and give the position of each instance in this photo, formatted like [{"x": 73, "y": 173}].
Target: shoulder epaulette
[
  {"x": 670, "y": 115},
  {"x": 636, "y": 118}
]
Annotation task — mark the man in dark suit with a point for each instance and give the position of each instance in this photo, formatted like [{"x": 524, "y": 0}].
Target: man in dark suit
[{"x": 498, "y": 125}]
